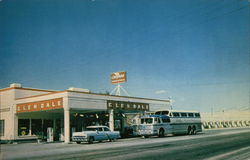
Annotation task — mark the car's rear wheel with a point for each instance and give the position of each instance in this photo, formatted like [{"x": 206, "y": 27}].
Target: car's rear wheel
[
  {"x": 91, "y": 140},
  {"x": 78, "y": 142}
]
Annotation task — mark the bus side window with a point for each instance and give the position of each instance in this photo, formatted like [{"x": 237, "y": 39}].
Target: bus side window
[
  {"x": 171, "y": 115},
  {"x": 190, "y": 115},
  {"x": 197, "y": 114},
  {"x": 183, "y": 114},
  {"x": 142, "y": 121},
  {"x": 165, "y": 112},
  {"x": 176, "y": 114},
  {"x": 158, "y": 113},
  {"x": 166, "y": 120},
  {"x": 157, "y": 120}
]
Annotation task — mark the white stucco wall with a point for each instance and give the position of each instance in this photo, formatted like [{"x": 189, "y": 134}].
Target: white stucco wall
[
  {"x": 87, "y": 104},
  {"x": 21, "y": 93},
  {"x": 6, "y": 113},
  {"x": 42, "y": 98},
  {"x": 8, "y": 100}
]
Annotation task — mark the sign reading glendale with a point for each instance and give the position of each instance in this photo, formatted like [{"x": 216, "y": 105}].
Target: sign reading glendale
[
  {"x": 40, "y": 105},
  {"x": 120, "y": 105},
  {"x": 118, "y": 77}
]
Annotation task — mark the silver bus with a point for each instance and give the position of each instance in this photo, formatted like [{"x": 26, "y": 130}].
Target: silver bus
[{"x": 166, "y": 122}]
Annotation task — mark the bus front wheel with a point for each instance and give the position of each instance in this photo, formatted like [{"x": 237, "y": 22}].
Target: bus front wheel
[{"x": 161, "y": 133}]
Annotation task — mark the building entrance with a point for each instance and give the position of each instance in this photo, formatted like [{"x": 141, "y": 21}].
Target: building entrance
[
  {"x": 123, "y": 121},
  {"x": 47, "y": 124}
]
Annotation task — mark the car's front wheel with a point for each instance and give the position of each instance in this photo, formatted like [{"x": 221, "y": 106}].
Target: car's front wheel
[
  {"x": 91, "y": 140},
  {"x": 110, "y": 139},
  {"x": 78, "y": 142}
]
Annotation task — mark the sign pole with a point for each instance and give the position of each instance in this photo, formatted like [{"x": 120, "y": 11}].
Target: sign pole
[
  {"x": 118, "y": 90},
  {"x": 113, "y": 90},
  {"x": 118, "y": 78}
]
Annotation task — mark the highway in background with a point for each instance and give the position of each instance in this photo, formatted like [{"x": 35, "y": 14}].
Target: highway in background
[{"x": 211, "y": 144}]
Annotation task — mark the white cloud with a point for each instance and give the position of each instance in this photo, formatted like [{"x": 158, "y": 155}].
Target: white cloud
[{"x": 160, "y": 92}]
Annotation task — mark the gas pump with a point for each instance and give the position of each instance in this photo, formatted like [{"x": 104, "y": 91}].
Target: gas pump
[{"x": 50, "y": 135}]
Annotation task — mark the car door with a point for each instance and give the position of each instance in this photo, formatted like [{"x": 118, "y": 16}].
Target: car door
[
  {"x": 109, "y": 134},
  {"x": 101, "y": 134}
]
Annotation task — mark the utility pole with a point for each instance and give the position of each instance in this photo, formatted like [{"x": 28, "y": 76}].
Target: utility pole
[{"x": 212, "y": 111}]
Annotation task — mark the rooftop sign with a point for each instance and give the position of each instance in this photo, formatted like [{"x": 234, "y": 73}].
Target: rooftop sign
[{"x": 118, "y": 77}]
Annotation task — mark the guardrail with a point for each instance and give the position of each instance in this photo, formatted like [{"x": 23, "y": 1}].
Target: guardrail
[
  {"x": 225, "y": 124},
  {"x": 226, "y": 119}
]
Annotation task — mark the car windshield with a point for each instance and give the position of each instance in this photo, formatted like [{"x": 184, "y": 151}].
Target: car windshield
[
  {"x": 91, "y": 129},
  {"x": 146, "y": 120}
]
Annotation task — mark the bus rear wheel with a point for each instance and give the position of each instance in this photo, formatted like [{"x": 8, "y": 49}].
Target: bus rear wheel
[{"x": 194, "y": 130}]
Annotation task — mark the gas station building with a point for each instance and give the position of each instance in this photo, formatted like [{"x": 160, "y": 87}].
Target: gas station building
[{"x": 27, "y": 113}]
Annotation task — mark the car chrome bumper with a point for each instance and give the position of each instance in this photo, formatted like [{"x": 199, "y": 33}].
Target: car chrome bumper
[{"x": 79, "y": 139}]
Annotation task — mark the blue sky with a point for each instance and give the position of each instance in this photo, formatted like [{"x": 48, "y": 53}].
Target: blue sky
[{"x": 196, "y": 51}]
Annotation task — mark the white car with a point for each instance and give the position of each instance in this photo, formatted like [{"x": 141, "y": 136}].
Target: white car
[{"x": 95, "y": 133}]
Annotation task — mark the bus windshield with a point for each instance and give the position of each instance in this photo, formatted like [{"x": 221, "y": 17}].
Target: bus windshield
[{"x": 146, "y": 120}]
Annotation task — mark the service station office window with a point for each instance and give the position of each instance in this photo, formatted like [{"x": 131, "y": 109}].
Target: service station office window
[
  {"x": 1, "y": 127},
  {"x": 23, "y": 127}
]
